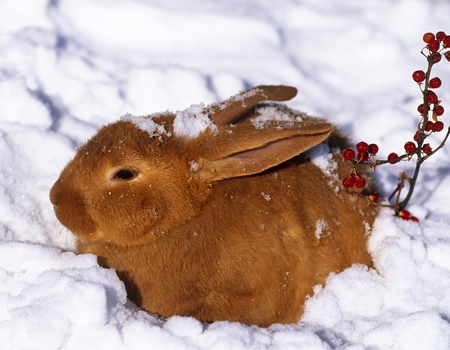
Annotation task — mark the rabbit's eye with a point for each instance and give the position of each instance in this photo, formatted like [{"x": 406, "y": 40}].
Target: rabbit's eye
[{"x": 124, "y": 174}]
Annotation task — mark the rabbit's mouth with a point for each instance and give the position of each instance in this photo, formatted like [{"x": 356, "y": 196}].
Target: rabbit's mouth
[
  {"x": 71, "y": 211},
  {"x": 76, "y": 219}
]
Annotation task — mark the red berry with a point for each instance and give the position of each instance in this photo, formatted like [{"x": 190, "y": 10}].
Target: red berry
[
  {"x": 435, "y": 83},
  {"x": 440, "y": 35},
  {"x": 429, "y": 126},
  {"x": 435, "y": 57},
  {"x": 438, "y": 126},
  {"x": 418, "y": 76},
  {"x": 363, "y": 157},
  {"x": 426, "y": 148},
  {"x": 439, "y": 110},
  {"x": 433, "y": 46},
  {"x": 428, "y": 37},
  {"x": 362, "y": 147},
  {"x": 447, "y": 55},
  {"x": 416, "y": 136},
  {"x": 373, "y": 197},
  {"x": 348, "y": 154},
  {"x": 392, "y": 158},
  {"x": 421, "y": 109},
  {"x": 404, "y": 214},
  {"x": 413, "y": 218},
  {"x": 431, "y": 97},
  {"x": 373, "y": 148},
  {"x": 349, "y": 181},
  {"x": 410, "y": 147},
  {"x": 360, "y": 182},
  {"x": 446, "y": 41}
]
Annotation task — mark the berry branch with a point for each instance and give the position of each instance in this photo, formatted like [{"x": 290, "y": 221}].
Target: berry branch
[{"x": 430, "y": 110}]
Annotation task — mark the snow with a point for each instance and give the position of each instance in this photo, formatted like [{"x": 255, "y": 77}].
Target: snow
[
  {"x": 270, "y": 113},
  {"x": 148, "y": 124},
  {"x": 266, "y": 196},
  {"x": 321, "y": 228},
  {"x": 192, "y": 121},
  {"x": 68, "y": 67},
  {"x": 322, "y": 157}
]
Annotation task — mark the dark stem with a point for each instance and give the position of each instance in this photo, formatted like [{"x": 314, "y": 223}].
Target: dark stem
[
  {"x": 420, "y": 140},
  {"x": 400, "y": 206}
]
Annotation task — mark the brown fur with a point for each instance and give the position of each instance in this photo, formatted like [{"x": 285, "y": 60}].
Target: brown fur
[{"x": 207, "y": 240}]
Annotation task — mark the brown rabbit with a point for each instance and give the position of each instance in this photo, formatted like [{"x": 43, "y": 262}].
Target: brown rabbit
[{"x": 228, "y": 222}]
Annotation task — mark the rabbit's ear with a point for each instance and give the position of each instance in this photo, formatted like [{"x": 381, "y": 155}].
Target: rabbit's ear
[
  {"x": 235, "y": 107},
  {"x": 246, "y": 150}
]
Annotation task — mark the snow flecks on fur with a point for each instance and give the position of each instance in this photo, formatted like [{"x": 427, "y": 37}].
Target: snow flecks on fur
[
  {"x": 266, "y": 196},
  {"x": 241, "y": 96},
  {"x": 367, "y": 227},
  {"x": 146, "y": 123},
  {"x": 194, "y": 165},
  {"x": 268, "y": 114},
  {"x": 321, "y": 228},
  {"x": 188, "y": 123},
  {"x": 192, "y": 121}
]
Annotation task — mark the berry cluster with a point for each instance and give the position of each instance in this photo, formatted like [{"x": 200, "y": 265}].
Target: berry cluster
[
  {"x": 437, "y": 45},
  {"x": 365, "y": 152}
]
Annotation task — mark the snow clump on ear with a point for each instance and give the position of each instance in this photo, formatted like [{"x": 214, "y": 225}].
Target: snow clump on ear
[{"x": 193, "y": 121}]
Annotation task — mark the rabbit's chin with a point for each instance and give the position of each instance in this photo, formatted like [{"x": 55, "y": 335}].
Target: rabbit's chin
[{"x": 81, "y": 226}]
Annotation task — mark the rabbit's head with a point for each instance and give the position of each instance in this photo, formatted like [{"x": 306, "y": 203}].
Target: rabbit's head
[{"x": 138, "y": 178}]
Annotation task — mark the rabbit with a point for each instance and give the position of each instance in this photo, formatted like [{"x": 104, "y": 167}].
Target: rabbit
[{"x": 234, "y": 221}]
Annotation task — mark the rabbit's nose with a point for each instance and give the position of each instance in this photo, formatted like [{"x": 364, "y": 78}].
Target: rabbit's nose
[{"x": 54, "y": 195}]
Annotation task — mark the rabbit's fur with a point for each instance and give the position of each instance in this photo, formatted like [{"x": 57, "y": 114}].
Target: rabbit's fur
[{"x": 228, "y": 225}]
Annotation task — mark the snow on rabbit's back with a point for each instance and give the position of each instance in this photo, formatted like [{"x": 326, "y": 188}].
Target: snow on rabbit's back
[{"x": 213, "y": 212}]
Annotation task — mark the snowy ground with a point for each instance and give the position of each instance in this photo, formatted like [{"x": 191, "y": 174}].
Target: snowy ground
[{"x": 69, "y": 66}]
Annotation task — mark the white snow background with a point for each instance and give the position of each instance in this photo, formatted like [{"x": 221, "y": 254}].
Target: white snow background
[{"x": 69, "y": 66}]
